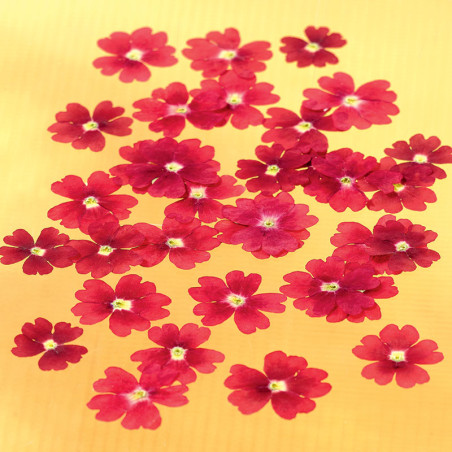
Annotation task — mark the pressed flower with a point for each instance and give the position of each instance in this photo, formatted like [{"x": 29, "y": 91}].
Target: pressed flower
[
  {"x": 371, "y": 103},
  {"x": 77, "y": 126},
  {"x": 218, "y": 52},
  {"x": 179, "y": 351},
  {"x": 266, "y": 226},
  {"x": 91, "y": 202},
  {"x": 397, "y": 352},
  {"x": 131, "y": 305},
  {"x": 286, "y": 381},
  {"x": 51, "y": 249},
  {"x": 43, "y": 337},
  {"x": 123, "y": 394},
  {"x": 313, "y": 51},
  {"x": 133, "y": 52}
]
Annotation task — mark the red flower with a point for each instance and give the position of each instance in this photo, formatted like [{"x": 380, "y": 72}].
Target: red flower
[
  {"x": 110, "y": 250},
  {"x": 396, "y": 353},
  {"x": 280, "y": 170},
  {"x": 91, "y": 202},
  {"x": 219, "y": 301},
  {"x": 38, "y": 338},
  {"x": 78, "y": 127},
  {"x": 202, "y": 200},
  {"x": 393, "y": 247},
  {"x": 421, "y": 151},
  {"x": 131, "y": 305},
  {"x": 336, "y": 177},
  {"x": 287, "y": 382},
  {"x": 335, "y": 284},
  {"x": 185, "y": 243},
  {"x": 125, "y": 395},
  {"x": 218, "y": 52},
  {"x": 132, "y": 53},
  {"x": 266, "y": 226},
  {"x": 180, "y": 352},
  {"x": 369, "y": 104},
  {"x": 312, "y": 52},
  {"x": 162, "y": 167},
  {"x": 232, "y": 96},
  {"x": 169, "y": 114},
  {"x": 50, "y": 250}
]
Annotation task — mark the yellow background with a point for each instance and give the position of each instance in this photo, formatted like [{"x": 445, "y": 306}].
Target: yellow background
[{"x": 46, "y": 62}]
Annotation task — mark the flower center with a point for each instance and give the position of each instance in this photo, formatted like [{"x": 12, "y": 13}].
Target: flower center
[
  {"x": 181, "y": 109},
  {"x": 134, "y": 55},
  {"x": 346, "y": 180},
  {"x": 177, "y": 353},
  {"x": 236, "y": 300},
  {"x": 90, "y": 202},
  {"x": 175, "y": 243},
  {"x": 121, "y": 304},
  {"x": 198, "y": 193},
  {"x": 37, "y": 251},
  {"x": 420, "y": 158},
  {"x": 138, "y": 394},
  {"x": 173, "y": 167},
  {"x": 268, "y": 222},
  {"x": 351, "y": 101},
  {"x": 272, "y": 170},
  {"x": 227, "y": 54},
  {"x": 90, "y": 125},
  {"x": 303, "y": 126},
  {"x": 330, "y": 287},
  {"x": 50, "y": 344},
  {"x": 398, "y": 187},
  {"x": 312, "y": 47},
  {"x": 397, "y": 356},
  {"x": 401, "y": 246},
  {"x": 105, "y": 250},
  {"x": 234, "y": 99},
  {"x": 277, "y": 385}
]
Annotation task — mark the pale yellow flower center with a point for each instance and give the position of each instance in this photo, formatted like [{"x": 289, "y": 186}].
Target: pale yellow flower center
[
  {"x": 236, "y": 300},
  {"x": 134, "y": 55},
  {"x": 137, "y": 395},
  {"x": 330, "y": 287},
  {"x": 90, "y": 202},
  {"x": 402, "y": 246},
  {"x": 37, "y": 251},
  {"x": 177, "y": 353},
  {"x": 198, "y": 193},
  {"x": 420, "y": 158},
  {"x": 227, "y": 54},
  {"x": 272, "y": 170},
  {"x": 120, "y": 304},
  {"x": 105, "y": 250},
  {"x": 175, "y": 243},
  {"x": 50, "y": 344},
  {"x": 90, "y": 125},
  {"x": 303, "y": 126},
  {"x": 351, "y": 101},
  {"x": 398, "y": 187},
  {"x": 234, "y": 99},
  {"x": 397, "y": 356},
  {"x": 312, "y": 47},
  {"x": 346, "y": 180},
  {"x": 173, "y": 167},
  {"x": 268, "y": 222},
  {"x": 277, "y": 385}
]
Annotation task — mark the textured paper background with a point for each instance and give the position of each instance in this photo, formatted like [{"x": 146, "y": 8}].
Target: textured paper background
[{"x": 47, "y": 51}]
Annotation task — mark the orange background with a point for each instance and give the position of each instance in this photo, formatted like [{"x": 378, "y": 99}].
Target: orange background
[{"x": 48, "y": 48}]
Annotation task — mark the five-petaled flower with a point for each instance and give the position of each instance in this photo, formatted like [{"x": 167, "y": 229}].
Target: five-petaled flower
[
  {"x": 219, "y": 301},
  {"x": 123, "y": 394},
  {"x": 49, "y": 250},
  {"x": 396, "y": 351},
  {"x": 133, "y": 52},
  {"x": 131, "y": 305},
  {"x": 77, "y": 126},
  {"x": 312, "y": 52},
  {"x": 179, "y": 351},
  {"x": 38, "y": 338},
  {"x": 286, "y": 381}
]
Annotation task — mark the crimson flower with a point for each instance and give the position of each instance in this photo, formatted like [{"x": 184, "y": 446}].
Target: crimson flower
[
  {"x": 49, "y": 250},
  {"x": 179, "y": 351},
  {"x": 136, "y": 399},
  {"x": 78, "y": 127},
  {"x": 397, "y": 352},
  {"x": 286, "y": 381},
  {"x": 186, "y": 243},
  {"x": 312, "y": 52},
  {"x": 38, "y": 338},
  {"x": 218, "y": 52},
  {"x": 133, "y": 52},
  {"x": 162, "y": 167},
  {"x": 201, "y": 200},
  {"x": 219, "y": 301},
  {"x": 91, "y": 202},
  {"x": 393, "y": 246},
  {"x": 371, "y": 103},
  {"x": 266, "y": 226},
  {"x": 110, "y": 250},
  {"x": 233, "y": 96},
  {"x": 338, "y": 290},
  {"x": 280, "y": 169},
  {"x": 131, "y": 305}
]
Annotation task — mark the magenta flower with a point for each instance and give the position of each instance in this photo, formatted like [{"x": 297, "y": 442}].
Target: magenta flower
[
  {"x": 179, "y": 351},
  {"x": 78, "y": 127},
  {"x": 131, "y": 53},
  {"x": 397, "y": 353},
  {"x": 287, "y": 382},
  {"x": 38, "y": 338}
]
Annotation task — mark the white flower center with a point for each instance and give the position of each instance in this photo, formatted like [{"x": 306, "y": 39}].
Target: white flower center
[
  {"x": 397, "y": 356},
  {"x": 351, "y": 101},
  {"x": 120, "y": 304},
  {"x": 347, "y": 181},
  {"x": 420, "y": 158},
  {"x": 134, "y": 55},
  {"x": 268, "y": 222},
  {"x": 175, "y": 243},
  {"x": 177, "y": 353},
  {"x": 398, "y": 187},
  {"x": 105, "y": 250},
  {"x": 277, "y": 385},
  {"x": 227, "y": 54},
  {"x": 303, "y": 126},
  {"x": 312, "y": 47},
  {"x": 234, "y": 99},
  {"x": 173, "y": 167},
  {"x": 37, "y": 251},
  {"x": 330, "y": 287},
  {"x": 236, "y": 300},
  {"x": 137, "y": 395},
  {"x": 50, "y": 344},
  {"x": 198, "y": 193},
  {"x": 90, "y": 125},
  {"x": 90, "y": 202},
  {"x": 272, "y": 170},
  {"x": 402, "y": 246}
]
